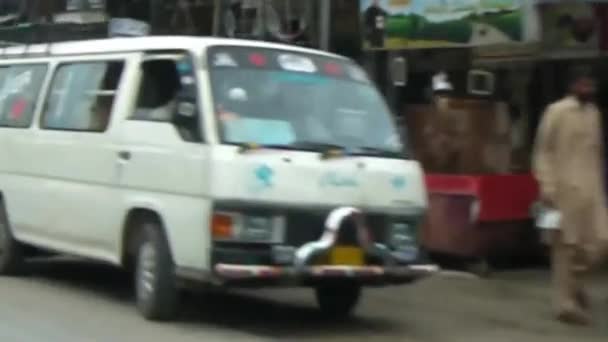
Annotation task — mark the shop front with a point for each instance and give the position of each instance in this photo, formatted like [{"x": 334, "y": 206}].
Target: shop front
[
  {"x": 499, "y": 63},
  {"x": 464, "y": 123},
  {"x": 305, "y": 23}
]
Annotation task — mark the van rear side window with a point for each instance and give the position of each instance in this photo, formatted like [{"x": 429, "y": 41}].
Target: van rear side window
[
  {"x": 81, "y": 97},
  {"x": 19, "y": 92}
]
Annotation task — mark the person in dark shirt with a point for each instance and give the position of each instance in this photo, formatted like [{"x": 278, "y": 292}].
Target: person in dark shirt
[{"x": 375, "y": 24}]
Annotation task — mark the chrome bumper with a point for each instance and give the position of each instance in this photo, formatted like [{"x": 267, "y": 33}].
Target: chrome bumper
[
  {"x": 363, "y": 274},
  {"x": 392, "y": 269}
]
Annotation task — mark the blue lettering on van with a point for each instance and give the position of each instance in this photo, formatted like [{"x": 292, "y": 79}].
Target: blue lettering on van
[
  {"x": 264, "y": 175},
  {"x": 333, "y": 179},
  {"x": 261, "y": 179},
  {"x": 399, "y": 182}
]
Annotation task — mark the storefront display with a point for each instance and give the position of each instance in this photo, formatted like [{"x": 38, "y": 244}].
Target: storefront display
[
  {"x": 286, "y": 21},
  {"x": 414, "y": 24}
]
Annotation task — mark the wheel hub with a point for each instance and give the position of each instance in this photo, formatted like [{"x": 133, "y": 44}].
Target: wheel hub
[{"x": 146, "y": 277}]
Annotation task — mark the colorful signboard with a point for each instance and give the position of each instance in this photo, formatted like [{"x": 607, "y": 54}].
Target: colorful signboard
[{"x": 413, "y": 24}]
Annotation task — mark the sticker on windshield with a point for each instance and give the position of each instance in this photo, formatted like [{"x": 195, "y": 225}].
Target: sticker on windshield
[
  {"x": 17, "y": 83},
  {"x": 352, "y": 111},
  {"x": 357, "y": 74},
  {"x": 333, "y": 69},
  {"x": 222, "y": 59},
  {"x": 296, "y": 63}
]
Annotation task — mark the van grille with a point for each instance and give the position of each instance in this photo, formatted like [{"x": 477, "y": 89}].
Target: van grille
[{"x": 304, "y": 227}]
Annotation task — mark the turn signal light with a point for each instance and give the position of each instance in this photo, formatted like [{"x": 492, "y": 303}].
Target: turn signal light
[{"x": 222, "y": 226}]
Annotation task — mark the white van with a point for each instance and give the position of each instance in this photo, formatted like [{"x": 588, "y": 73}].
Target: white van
[{"x": 209, "y": 161}]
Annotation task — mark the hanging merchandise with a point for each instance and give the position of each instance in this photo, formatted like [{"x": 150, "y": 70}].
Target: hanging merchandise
[
  {"x": 286, "y": 21},
  {"x": 243, "y": 18},
  {"x": 127, "y": 27},
  {"x": 570, "y": 26},
  {"x": 82, "y": 12},
  {"x": 85, "y": 5}
]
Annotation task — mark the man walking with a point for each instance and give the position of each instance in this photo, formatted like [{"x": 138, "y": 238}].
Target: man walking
[
  {"x": 375, "y": 24},
  {"x": 568, "y": 163}
]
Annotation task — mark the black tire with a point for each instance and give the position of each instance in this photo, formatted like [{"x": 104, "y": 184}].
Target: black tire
[
  {"x": 11, "y": 251},
  {"x": 338, "y": 301},
  {"x": 155, "y": 284}
]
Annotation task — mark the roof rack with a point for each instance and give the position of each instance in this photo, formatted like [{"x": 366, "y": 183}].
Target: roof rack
[
  {"x": 46, "y": 34},
  {"x": 4, "y": 46}
]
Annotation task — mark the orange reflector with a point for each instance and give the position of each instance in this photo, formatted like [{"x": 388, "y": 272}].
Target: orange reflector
[{"x": 221, "y": 226}]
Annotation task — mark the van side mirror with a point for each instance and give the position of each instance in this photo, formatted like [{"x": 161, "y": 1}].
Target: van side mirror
[
  {"x": 480, "y": 82},
  {"x": 186, "y": 119},
  {"x": 186, "y": 109}
]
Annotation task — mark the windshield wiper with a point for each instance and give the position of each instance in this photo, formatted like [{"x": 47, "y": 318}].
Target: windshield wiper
[
  {"x": 327, "y": 150},
  {"x": 375, "y": 151},
  {"x": 250, "y": 146},
  {"x": 316, "y": 146}
]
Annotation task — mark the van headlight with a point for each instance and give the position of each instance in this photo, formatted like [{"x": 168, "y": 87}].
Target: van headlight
[
  {"x": 238, "y": 227},
  {"x": 403, "y": 240}
]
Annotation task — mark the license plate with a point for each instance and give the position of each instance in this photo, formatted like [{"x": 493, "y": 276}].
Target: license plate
[{"x": 346, "y": 256}]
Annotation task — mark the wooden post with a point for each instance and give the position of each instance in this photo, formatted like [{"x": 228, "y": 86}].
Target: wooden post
[
  {"x": 217, "y": 17},
  {"x": 154, "y": 11},
  {"x": 325, "y": 24}
]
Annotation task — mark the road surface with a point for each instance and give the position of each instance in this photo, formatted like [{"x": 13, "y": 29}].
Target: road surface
[{"x": 67, "y": 301}]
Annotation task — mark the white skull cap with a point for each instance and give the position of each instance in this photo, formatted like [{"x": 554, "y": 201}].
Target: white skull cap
[
  {"x": 441, "y": 82},
  {"x": 238, "y": 94}
]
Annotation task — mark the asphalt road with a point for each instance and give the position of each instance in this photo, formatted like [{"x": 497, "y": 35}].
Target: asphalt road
[{"x": 67, "y": 301}]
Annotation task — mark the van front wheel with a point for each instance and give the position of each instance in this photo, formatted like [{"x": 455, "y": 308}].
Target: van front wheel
[
  {"x": 338, "y": 301},
  {"x": 155, "y": 285}
]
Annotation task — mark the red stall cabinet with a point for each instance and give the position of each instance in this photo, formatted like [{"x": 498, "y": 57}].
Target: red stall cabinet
[{"x": 477, "y": 218}]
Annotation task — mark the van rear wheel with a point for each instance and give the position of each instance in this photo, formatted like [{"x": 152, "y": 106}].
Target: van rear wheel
[
  {"x": 155, "y": 286},
  {"x": 338, "y": 301},
  {"x": 11, "y": 251}
]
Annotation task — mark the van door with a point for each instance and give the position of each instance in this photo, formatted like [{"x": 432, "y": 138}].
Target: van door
[
  {"x": 78, "y": 151},
  {"x": 165, "y": 166}
]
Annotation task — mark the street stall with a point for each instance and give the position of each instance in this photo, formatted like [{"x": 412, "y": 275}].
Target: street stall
[
  {"x": 468, "y": 133},
  {"x": 477, "y": 148},
  {"x": 571, "y": 34}
]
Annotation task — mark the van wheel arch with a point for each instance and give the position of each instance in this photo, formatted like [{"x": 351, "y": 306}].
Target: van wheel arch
[
  {"x": 11, "y": 251},
  {"x": 132, "y": 230}
]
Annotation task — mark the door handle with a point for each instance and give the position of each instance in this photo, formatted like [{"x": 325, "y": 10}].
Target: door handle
[{"x": 124, "y": 155}]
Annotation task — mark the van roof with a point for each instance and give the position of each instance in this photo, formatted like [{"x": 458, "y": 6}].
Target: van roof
[{"x": 131, "y": 44}]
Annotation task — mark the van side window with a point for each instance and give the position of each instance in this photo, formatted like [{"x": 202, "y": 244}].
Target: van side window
[
  {"x": 82, "y": 96},
  {"x": 19, "y": 92},
  {"x": 168, "y": 93}
]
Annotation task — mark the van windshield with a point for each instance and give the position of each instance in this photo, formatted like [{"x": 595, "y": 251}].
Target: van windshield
[{"x": 298, "y": 101}]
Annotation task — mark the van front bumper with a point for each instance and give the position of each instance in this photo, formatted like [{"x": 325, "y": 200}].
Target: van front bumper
[
  {"x": 363, "y": 275},
  {"x": 302, "y": 269}
]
